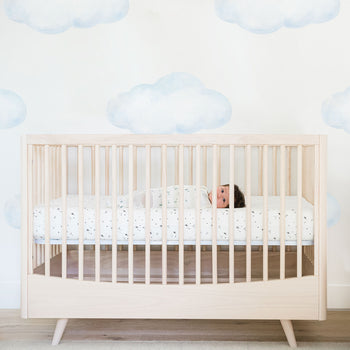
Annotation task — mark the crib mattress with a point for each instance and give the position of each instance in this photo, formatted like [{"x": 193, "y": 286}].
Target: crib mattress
[{"x": 173, "y": 223}]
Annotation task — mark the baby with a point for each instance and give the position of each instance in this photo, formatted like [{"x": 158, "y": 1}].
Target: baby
[
  {"x": 223, "y": 197},
  {"x": 173, "y": 197}
]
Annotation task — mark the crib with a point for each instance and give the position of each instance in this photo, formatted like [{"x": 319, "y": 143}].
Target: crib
[{"x": 83, "y": 257}]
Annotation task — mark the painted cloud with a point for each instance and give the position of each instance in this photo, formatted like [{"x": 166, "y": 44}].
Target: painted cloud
[
  {"x": 267, "y": 16},
  {"x": 333, "y": 210},
  {"x": 176, "y": 103},
  {"x": 12, "y": 211},
  {"x": 56, "y": 16},
  {"x": 12, "y": 109},
  {"x": 336, "y": 110}
]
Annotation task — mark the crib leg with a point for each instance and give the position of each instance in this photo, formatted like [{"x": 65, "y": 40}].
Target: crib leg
[
  {"x": 60, "y": 327},
  {"x": 289, "y": 332}
]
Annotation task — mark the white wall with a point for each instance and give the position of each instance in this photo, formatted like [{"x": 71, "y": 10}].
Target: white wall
[{"x": 276, "y": 83}]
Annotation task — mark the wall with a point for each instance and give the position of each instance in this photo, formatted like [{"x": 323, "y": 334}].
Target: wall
[{"x": 244, "y": 69}]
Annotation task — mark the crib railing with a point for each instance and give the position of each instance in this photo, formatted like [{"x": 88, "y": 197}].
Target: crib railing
[{"x": 55, "y": 166}]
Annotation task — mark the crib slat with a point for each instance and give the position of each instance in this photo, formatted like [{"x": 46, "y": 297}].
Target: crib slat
[
  {"x": 52, "y": 171},
  {"x": 47, "y": 209},
  {"x": 29, "y": 165},
  {"x": 205, "y": 177},
  {"x": 64, "y": 209},
  {"x": 176, "y": 165},
  {"x": 131, "y": 216},
  {"x": 97, "y": 214},
  {"x": 34, "y": 256},
  {"x": 289, "y": 170},
  {"x": 219, "y": 164},
  {"x": 248, "y": 211},
  {"x": 299, "y": 211},
  {"x": 190, "y": 150},
  {"x": 148, "y": 217},
  {"x": 38, "y": 175},
  {"x": 42, "y": 190},
  {"x": 214, "y": 216},
  {"x": 266, "y": 218},
  {"x": 35, "y": 175},
  {"x": 92, "y": 150},
  {"x": 260, "y": 166},
  {"x": 121, "y": 171},
  {"x": 106, "y": 170},
  {"x": 58, "y": 181},
  {"x": 282, "y": 209},
  {"x": 231, "y": 215},
  {"x": 42, "y": 253},
  {"x": 164, "y": 214},
  {"x": 40, "y": 178},
  {"x": 135, "y": 168},
  {"x": 274, "y": 176},
  {"x": 59, "y": 171},
  {"x": 181, "y": 214},
  {"x": 198, "y": 213},
  {"x": 114, "y": 214},
  {"x": 81, "y": 212},
  {"x": 316, "y": 209}
]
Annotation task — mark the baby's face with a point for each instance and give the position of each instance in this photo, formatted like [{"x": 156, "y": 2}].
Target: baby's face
[{"x": 222, "y": 196}]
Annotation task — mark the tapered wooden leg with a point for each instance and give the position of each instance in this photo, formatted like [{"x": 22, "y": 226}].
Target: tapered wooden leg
[
  {"x": 60, "y": 327},
  {"x": 289, "y": 332}
]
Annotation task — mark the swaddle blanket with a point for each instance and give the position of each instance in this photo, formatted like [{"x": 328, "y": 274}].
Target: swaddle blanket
[{"x": 173, "y": 197}]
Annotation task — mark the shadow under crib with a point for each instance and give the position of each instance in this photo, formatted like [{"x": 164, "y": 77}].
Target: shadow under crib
[{"x": 172, "y": 259}]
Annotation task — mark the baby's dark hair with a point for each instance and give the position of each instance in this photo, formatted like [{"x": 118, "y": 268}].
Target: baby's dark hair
[{"x": 239, "y": 197}]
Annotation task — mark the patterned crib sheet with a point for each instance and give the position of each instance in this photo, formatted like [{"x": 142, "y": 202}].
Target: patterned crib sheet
[{"x": 173, "y": 222}]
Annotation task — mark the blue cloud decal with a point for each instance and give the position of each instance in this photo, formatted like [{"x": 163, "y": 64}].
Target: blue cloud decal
[
  {"x": 336, "y": 110},
  {"x": 333, "y": 210},
  {"x": 12, "y": 109},
  {"x": 267, "y": 16},
  {"x": 176, "y": 103},
  {"x": 12, "y": 211},
  {"x": 56, "y": 16}
]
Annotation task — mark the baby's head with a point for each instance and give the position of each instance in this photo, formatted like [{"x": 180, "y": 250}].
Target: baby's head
[{"x": 223, "y": 197}]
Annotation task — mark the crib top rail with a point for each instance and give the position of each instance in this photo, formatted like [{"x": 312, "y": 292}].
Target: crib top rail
[{"x": 171, "y": 140}]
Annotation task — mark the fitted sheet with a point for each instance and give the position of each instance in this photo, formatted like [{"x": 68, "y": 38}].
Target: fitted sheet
[{"x": 173, "y": 223}]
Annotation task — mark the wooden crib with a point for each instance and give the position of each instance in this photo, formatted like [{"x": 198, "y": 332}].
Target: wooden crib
[{"x": 115, "y": 277}]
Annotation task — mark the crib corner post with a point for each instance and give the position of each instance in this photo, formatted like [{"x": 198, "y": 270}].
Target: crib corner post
[
  {"x": 322, "y": 252},
  {"x": 24, "y": 227}
]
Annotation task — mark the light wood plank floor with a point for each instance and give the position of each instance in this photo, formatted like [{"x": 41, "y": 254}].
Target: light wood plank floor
[{"x": 335, "y": 329}]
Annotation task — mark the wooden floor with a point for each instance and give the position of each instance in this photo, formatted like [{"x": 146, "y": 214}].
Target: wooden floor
[{"x": 12, "y": 327}]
